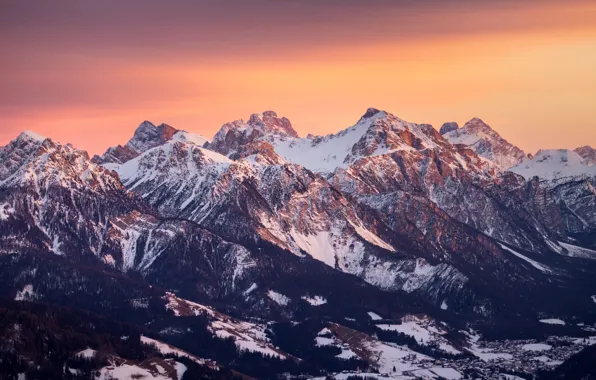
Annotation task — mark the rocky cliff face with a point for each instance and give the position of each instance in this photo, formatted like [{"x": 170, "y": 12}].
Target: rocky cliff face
[
  {"x": 391, "y": 202},
  {"x": 56, "y": 202},
  {"x": 407, "y": 214},
  {"x": 146, "y": 136},
  {"x": 487, "y": 143},
  {"x": 587, "y": 153}
]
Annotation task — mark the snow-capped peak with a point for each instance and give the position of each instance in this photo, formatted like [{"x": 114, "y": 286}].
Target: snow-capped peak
[
  {"x": 485, "y": 142},
  {"x": 588, "y": 154},
  {"x": 30, "y": 135},
  {"x": 554, "y": 164},
  {"x": 370, "y": 112},
  {"x": 31, "y": 158},
  {"x": 147, "y": 136},
  {"x": 193, "y": 138},
  {"x": 266, "y": 126}
]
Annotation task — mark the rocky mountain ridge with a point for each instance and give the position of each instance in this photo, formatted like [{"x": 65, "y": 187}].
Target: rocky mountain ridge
[{"x": 262, "y": 222}]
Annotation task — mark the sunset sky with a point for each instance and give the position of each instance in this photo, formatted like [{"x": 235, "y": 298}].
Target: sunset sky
[{"x": 88, "y": 72}]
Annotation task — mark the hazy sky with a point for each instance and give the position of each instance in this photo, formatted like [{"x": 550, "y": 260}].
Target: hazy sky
[{"x": 88, "y": 72}]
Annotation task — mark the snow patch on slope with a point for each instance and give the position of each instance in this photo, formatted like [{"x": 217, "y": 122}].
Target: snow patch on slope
[
  {"x": 315, "y": 300},
  {"x": 247, "y": 336},
  {"x": 554, "y": 164},
  {"x": 26, "y": 294},
  {"x": 424, "y": 330},
  {"x": 575, "y": 251},
  {"x": 534, "y": 263},
  {"x": 193, "y": 138},
  {"x": 5, "y": 211},
  {"x": 278, "y": 298},
  {"x": 553, "y": 321}
]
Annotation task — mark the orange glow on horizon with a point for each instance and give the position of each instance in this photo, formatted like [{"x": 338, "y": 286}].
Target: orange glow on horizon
[{"x": 536, "y": 87}]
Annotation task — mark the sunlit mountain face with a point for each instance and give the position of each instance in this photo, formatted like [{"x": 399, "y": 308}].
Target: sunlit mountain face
[{"x": 200, "y": 190}]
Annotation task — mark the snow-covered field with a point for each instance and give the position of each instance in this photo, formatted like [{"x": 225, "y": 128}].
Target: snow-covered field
[{"x": 246, "y": 335}]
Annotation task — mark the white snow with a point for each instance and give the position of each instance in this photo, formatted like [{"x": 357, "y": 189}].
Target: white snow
[
  {"x": 410, "y": 328},
  {"x": 316, "y": 300},
  {"x": 250, "y": 289},
  {"x": 252, "y": 346},
  {"x": 487, "y": 355},
  {"x": 194, "y": 138},
  {"x": 86, "y": 353},
  {"x": 109, "y": 260},
  {"x": 487, "y": 143},
  {"x": 434, "y": 372},
  {"x": 127, "y": 371},
  {"x": 5, "y": 211},
  {"x": 26, "y": 294},
  {"x": 325, "y": 331},
  {"x": 374, "y": 316},
  {"x": 444, "y": 305},
  {"x": 369, "y": 376},
  {"x": 56, "y": 244},
  {"x": 372, "y": 238},
  {"x": 536, "y": 347},
  {"x": 326, "y": 154},
  {"x": 33, "y": 135},
  {"x": 575, "y": 251},
  {"x": 346, "y": 354},
  {"x": 322, "y": 341},
  {"x": 331, "y": 340},
  {"x": 323, "y": 156},
  {"x": 166, "y": 349},
  {"x": 247, "y": 336},
  {"x": 318, "y": 245},
  {"x": 594, "y": 298},
  {"x": 180, "y": 370},
  {"x": 278, "y": 298},
  {"x": 484, "y": 354},
  {"x": 545, "y": 359},
  {"x": 553, "y": 321},
  {"x": 424, "y": 330},
  {"x": 534, "y": 263},
  {"x": 554, "y": 164}
]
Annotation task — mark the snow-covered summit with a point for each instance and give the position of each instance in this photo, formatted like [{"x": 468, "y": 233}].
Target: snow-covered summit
[
  {"x": 588, "y": 154},
  {"x": 34, "y": 159},
  {"x": 485, "y": 142},
  {"x": 553, "y": 165},
  {"x": 266, "y": 126},
  {"x": 30, "y": 135},
  {"x": 376, "y": 133},
  {"x": 147, "y": 136}
]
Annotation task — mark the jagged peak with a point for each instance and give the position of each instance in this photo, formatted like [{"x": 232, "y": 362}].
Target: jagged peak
[
  {"x": 30, "y": 135},
  {"x": 476, "y": 123},
  {"x": 371, "y": 112},
  {"x": 147, "y": 135},
  {"x": 448, "y": 127},
  {"x": 587, "y": 153},
  {"x": 146, "y": 124},
  {"x": 266, "y": 125}
]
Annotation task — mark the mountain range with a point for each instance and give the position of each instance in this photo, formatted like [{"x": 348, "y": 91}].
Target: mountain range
[{"x": 389, "y": 248}]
